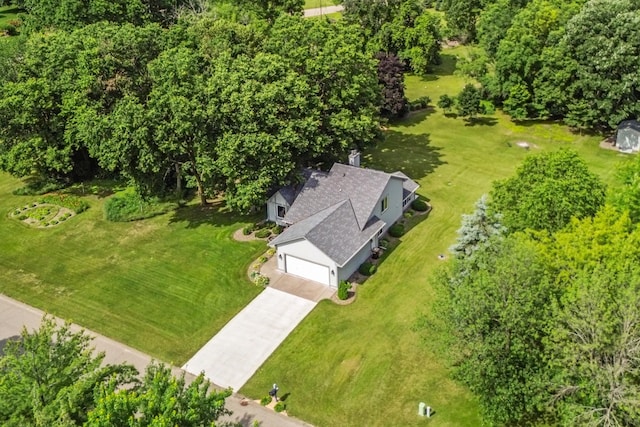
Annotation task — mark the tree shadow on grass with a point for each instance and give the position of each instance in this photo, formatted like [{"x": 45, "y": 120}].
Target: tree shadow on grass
[
  {"x": 412, "y": 154},
  {"x": 215, "y": 213},
  {"x": 481, "y": 121}
]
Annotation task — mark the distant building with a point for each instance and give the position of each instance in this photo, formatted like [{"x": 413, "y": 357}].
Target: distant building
[{"x": 628, "y": 136}]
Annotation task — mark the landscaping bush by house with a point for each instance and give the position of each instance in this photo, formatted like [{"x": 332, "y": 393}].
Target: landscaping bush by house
[
  {"x": 396, "y": 230},
  {"x": 265, "y": 400},
  {"x": 264, "y": 233},
  {"x": 367, "y": 269},
  {"x": 276, "y": 229},
  {"x": 280, "y": 406},
  {"x": 419, "y": 205},
  {"x": 343, "y": 289},
  {"x": 247, "y": 230}
]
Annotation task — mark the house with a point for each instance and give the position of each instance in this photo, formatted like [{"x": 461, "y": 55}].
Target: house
[
  {"x": 335, "y": 218},
  {"x": 628, "y": 136}
]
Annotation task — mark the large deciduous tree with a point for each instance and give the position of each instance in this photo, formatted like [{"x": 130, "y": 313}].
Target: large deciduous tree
[
  {"x": 547, "y": 191},
  {"x": 603, "y": 42},
  {"x": 391, "y": 79},
  {"x": 518, "y": 59},
  {"x": 49, "y": 377},
  {"x": 53, "y": 377},
  {"x": 499, "y": 308}
]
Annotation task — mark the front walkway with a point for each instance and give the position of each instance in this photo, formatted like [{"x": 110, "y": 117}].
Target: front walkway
[{"x": 235, "y": 353}]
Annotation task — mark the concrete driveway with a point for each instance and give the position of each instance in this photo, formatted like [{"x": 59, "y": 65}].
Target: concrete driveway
[{"x": 233, "y": 355}]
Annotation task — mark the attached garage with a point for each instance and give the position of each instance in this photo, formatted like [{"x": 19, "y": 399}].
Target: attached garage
[{"x": 307, "y": 269}]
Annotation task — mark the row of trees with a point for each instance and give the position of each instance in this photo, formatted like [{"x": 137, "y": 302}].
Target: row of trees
[
  {"x": 223, "y": 105},
  {"x": 543, "y": 298},
  {"x": 52, "y": 377},
  {"x": 572, "y": 60}
]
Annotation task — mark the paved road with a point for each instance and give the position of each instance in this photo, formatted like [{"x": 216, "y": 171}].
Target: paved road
[
  {"x": 319, "y": 11},
  {"x": 14, "y": 315},
  {"x": 235, "y": 353}
]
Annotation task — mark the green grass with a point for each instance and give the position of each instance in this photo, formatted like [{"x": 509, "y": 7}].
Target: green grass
[
  {"x": 366, "y": 363},
  {"x": 163, "y": 285},
  {"x": 8, "y": 13}
]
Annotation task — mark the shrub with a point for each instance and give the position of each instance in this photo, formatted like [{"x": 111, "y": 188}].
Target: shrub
[
  {"x": 64, "y": 218},
  {"x": 280, "y": 406},
  {"x": 276, "y": 229},
  {"x": 8, "y": 29},
  {"x": 130, "y": 206},
  {"x": 396, "y": 230},
  {"x": 262, "y": 259},
  {"x": 271, "y": 251},
  {"x": 419, "y": 205},
  {"x": 247, "y": 230},
  {"x": 33, "y": 205},
  {"x": 54, "y": 222},
  {"x": 22, "y": 217},
  {"x": 420, "y": 103},
  {"x": 383, "y": 243},
  {"x": 38, "y": 187},
  {"x": 343, "y": 290},
  {"x": 261, "y": 280},
  {"x": 265, "y": 400},
  {"x": 70, "y": 202},
  {"x": 264, "y": 233},
  {"x": 367, "y": 269},
  {"x": 408, "y": 214},
  {"x": 17, "y": 212}
]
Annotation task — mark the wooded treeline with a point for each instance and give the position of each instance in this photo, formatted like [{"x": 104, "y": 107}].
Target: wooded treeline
[
  {"x": 575, "y": 61},
  {"x": 542, "y": 298},
  {"x": 224, "y": 97}
]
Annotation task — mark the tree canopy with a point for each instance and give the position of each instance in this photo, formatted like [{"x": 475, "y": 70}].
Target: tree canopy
[
  {"x": 213, "y": 103},
  {"x": 53, "y": 377},
  {"x": 547, "y": 191}
]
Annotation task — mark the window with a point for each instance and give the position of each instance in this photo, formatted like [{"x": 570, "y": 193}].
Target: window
[
  {"x": 385, "y": 204},
  {"x": 282, "y": 210}
]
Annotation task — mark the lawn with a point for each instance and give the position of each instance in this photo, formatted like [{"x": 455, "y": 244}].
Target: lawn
[
  {"x": 372, "y": 362},
  {"x": 164, "y": 285},
  {"x": 9, "y": 13}
]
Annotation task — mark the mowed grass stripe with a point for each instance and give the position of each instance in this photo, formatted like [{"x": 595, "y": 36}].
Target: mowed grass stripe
[{"x": 163, "y": 285}]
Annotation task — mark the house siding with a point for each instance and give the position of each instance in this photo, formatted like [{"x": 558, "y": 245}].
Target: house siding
[
  {"x": 305, "y": 250},
  {"x": 354, "y": 263},
  {"x": 393, "y": 191},
  {"x": 272, "y": 207}
]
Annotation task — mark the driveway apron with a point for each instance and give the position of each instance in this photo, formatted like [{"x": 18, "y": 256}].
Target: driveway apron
[{"x": 232, "y": 356}]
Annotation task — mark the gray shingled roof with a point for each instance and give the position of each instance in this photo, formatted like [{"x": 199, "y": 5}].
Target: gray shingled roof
[
  {"x": 408, "y": 185},
  {"x": 363, "y": 187},
  {"x": 630, "y": 124},
  {"x": 334, "y": 231}
]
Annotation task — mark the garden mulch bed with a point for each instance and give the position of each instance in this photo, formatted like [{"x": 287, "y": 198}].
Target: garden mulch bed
[{"x": 36, "y": 223}]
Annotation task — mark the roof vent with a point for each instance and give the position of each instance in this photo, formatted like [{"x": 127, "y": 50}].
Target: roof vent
[{"x": 354, "y": 158}]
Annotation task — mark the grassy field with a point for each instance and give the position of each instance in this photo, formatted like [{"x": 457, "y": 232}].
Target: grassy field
[
  {"x": 164, "y": 285},
  {"x": 368, "y": 363},
  {"x": 8, "y": 13}
]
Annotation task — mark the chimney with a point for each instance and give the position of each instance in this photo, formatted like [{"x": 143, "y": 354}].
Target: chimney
[{"x": 354, "y": 158}]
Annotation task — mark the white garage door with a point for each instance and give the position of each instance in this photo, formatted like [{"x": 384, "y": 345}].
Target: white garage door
[{"x": 307, "y": 269}]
